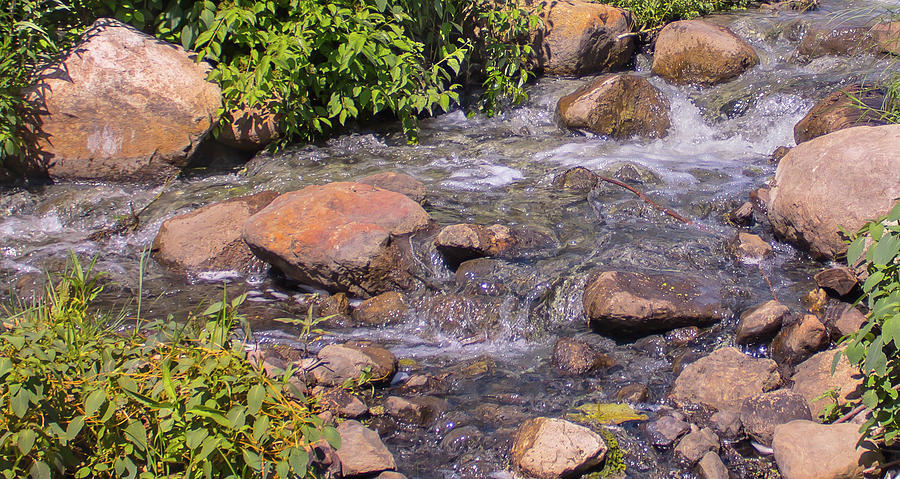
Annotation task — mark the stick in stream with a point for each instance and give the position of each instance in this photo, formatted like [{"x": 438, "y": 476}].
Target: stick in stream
[{"x": 647, "y": 200}]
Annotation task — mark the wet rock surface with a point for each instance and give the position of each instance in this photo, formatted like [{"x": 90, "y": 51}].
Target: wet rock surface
[
  {"x": 397, "y": 182},
  {"x": 663, "y": 432},
  {"x": 695, "y": 445},
  {"x": 618, "y": 106},
  {"x": 386, "y": 308},
  {"x": 724, "y": 379},
  {"x": 839, "y": 281},
  {"x": 462, "y": 242},
  {"x": 841, "y": 109},
  {"x": 574, "y": 356},
  {"x": 696, "y": 51}
]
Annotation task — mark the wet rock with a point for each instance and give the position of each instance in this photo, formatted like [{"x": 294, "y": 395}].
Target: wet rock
[
  {"x": 812, "y": 378},
  {"x": 633, "y": 393},
  {"x": 502, "y": 414},
  {"x": 711, "y": 467},
  {"x": 761, "y": 322},
  {"x": 693, "y": 446},
  {"x": 578, "y": 178},
  {"x": 681, "y": 336},
  {"x": 839, "y": 110},
  {"x": 663, "y": 432},
  {"x": 386, "y": 308},
  {"x": 799, "y": 340},
  {"x": 390, "y": 475},
  {"x": 696, "y": 51},
  {"x": 619, "y": 106},
  {"x": 820, "y": 186},
  {"x": 743, "y": 215},
  {"x": 815, "y": 301},
  {"x": 632, "y": 173},
  {"x": 886, "y": 37},
  {"x": 552, "y": 448},
  {"x": 122, "y": 106},
  {"x": 760, "y": 414},
  {"x": 724, "y": 379},
  {"x": 420, "y": 410},
  {"x": 839, "y": 281},
  {"x": 845, "y": 40},
  {"x": 334, "y": 304},
  {"x": 362, "y": 451},
  {"x": 842, "y": 319},
  {"x": 483, "y": 276},
  {"x": 808, "y": 450},
  {"x": 727, "y": 424},
  {"x": 779, "y": 153},
  {"x": 579, "y": 37},
  {"x": 250, "y": 129},
  {"x": 575, "y": 356},
  {"x": 761, "y": 197},
  {"x": 750, "y": 248},
  {"x": 460, "y": 439},
  {"x": 622, "y": 302},
  {"x": 397, "y": 182},
  {"x": 209, "y": 238},
  {"x": 342, "y": 403},
  {"x": 458, "y": 313},
  {"x": 338, "y": 236},
  {"x": 462, "y": 242},
  {"x": 338, "y": 363}
]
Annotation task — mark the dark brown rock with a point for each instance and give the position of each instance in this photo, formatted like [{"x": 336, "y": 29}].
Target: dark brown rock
[
  {"x": 386, "y": 308},
  {"x": 799, "y": 340},
  {"x": 696, "y": 51},
  {"x": 841, "y": 109},
  {"x": 842, "y": 319},
  {"x": 633, "y": 393},
  {"x": 619, "y": 106},
  {"x": 886, "y": 37},
  {"x": 581, "y": 37},
  {"x": 727, "y": 424},
  {"x": 250, "y": 129},
  {"x": 681, "y": 336},
  {"x": 724, "y": 379},
  {"x": 779, "y": 153},
  {"x": 419, "y": 410},
  {"x": 209, "y": 238},
  {"x": 398, "y": 183},
  {"x": 742, "y": 215},
  {"x": 458, "y": 313},
  {"x": 578, "y": 178},
  {"x": 575, "y": 356},
  {"x": 760, "y": 414},
  {"x": 761, "y": 322},
  {"x": 362, "y": 451},
  {"x": 621, "y": 302},
  {"x": 121, "y": 106},
  {"x": 338, "y": 236},
  {"x": 462, "y": 242},
  {"x": 840, "y": 280}
]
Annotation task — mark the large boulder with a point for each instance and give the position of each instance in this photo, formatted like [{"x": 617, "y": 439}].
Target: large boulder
[
  {"x": 809, "y": 450},
  {"x": 696, "y": 51},
  {"x": 122, "y": 105},
  {"x": 839, "y": 180},
  {"x": 338, "y": 236},
  {"x": 724, "y": 379},
  {"x": 553, "y": 448},
  {"x": 619, "y": 106},
  {"x": 629, "y": 303},
  {"x": 580, "y": 37},
  {"x": 813, "y": 378},
  {"x": 841, "y": 109},
  {"x": 209, "y": 238}
]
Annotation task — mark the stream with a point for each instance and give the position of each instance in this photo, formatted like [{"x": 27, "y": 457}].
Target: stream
[{"x": 500, "y": 170}]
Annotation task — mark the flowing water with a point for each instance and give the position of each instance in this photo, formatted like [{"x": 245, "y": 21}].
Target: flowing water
[{"x": 500, "y": 170}]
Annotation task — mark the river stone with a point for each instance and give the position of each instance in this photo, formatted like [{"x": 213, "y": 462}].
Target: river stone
[
  {"x": 627, "y": 303},
  {"x": 681, "y": 336},
  {"x": 462, "y": 242},
  {"x": 553, "y": 448},
  {"x": 576, "y": 356},
  {"x": 886, "y": 37},
  {"x": 727, "y": 424},
  {"x": 458, "y": 313},
  {"x": 842, "y": 319},
  {"x": 619, "y": 106},
  {"x": 750, "y": 248},
  {"x": 386, "y": 308},
  {"x": 799, "y": 340},
  {"x": 337, "y": 363},
  {"x": 761, "y": 322},
  {"x": 338, "y": 236},
  {"x": 209, "y": 238},
  {"x": 579, "y": 37},
  {"x": 693, "y": 446},
  {"x": 830, "y": 40},
  {"x": 839, "y": 110},
  {"x": 250, "y": 129},
  {"x": 724, "y": 379},
  {"x": 711, "y": 467},
  {"x": 122, "y": 106},
  {"x": 341, "y": 402},
  {"x": 398, "y": 183},
  {"x": 633, "y": 393},
  {"x": 841, "y": 179},
  {"x": 460, "y": 439},
  {"x": 809, "y": 450},
  {"x": 760, "y": 414},
  {"x": 362, "y": 451},
  {"x": 813, "y": 377},
  {"x": 577, "y": 178},
  {"x": 838, "y": 280},
  {"x": 664, "y": 431},
  {"x": 696, "y": 51},
  {"x": 420, "y": 410}
]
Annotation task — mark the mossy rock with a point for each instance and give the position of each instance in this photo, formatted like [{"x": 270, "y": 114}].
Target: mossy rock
[{"x": 608, "y": 413}]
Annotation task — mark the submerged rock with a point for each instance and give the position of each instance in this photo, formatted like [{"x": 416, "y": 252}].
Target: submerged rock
[
  {"x": 463, "y": 242},
  {"x": 618, "y": 106},
  {"x": 362, "y": 452},
  {"x": 841, "y": 109},
  {"x": 578, "y": 178},
  {"x": 724, "y": 379},
  {"x": 808, "y": 450},
  {"x": 627, "y": 303},
  {"x": 760, "y": 414},
  {"x": 830, "y": 40},
  {"x": 122, "y": 106},
  {"x": 553, "y": 448},
  {"x": 420, "y": 410},
  {"x": 338, "y": 236},
  {"x": 663, "y": 432},
  {"x": 696, "y": 51},
  {"x": 761, "y": 322},
  {"x": 386, "y": 308},
  {"x": 575, "y": 356},
  {"x": 839, "y": 180},
  {"x": 580, "y": 37},
  {"x": 398, "y": 183},
  {"x": 209, "y": 238}
]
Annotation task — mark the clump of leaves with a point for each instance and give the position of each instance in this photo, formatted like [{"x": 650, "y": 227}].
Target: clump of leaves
[
  {"x": 652, "y": 14},
  {"x": 80, "y": 398},
  {"x": 874, "y": 348},
  {"x": 614, "y": 463}
]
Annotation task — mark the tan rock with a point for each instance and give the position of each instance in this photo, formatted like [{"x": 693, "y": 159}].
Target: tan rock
[
  {"x": 696, "y": 51},
  {"x": 339, "y": 363},
  {"x": 462, "y": 242},
  {"x": 618, "y": 106},
  {"x": 750, "y": 248},
  {"x": 799, "y": 340},
  {"x": 809, "y": 450},
  {"x": 362, "y": 452},
  {"x": 712, "y": 467},
  {"x": 386, "y": 308},
  {"x": 761, "y": 322},
  {"x": 693, "y": 446},
  {"x": 812, "y": 378},
  {"x": 724, "y": 379},
  {"x": 835, "y": 40},
  {"x": 552, "y": 448}
]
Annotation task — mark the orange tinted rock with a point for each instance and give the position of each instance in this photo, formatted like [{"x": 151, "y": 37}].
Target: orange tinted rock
[
  {"x": 696, "y": 51},
  {"x": 619, "y": 106},
  {"x": 840, "y": 110}
]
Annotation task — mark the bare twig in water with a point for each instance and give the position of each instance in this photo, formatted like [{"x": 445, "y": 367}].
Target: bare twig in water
[
  {"x": 131, "y": 222},
  {"x": 769, "y": 282},
  {"x": 647, "y": 200}
]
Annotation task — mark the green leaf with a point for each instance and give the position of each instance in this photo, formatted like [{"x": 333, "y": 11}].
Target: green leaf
[
  {"x": 894, "y": 214},
  {"x": 6, "y": 366},
  {"x": 137, "y": 434},
  {"x": 891, "y": 330},
  {"x": 195, "y": 437},
  {"x": 74, "y": 427},
  {"x": 260, "y": 427},
  {"x": 251, "y": 459},
  {"x": 40, "y": 470},
  {"x": 886, "y": 250},
  {"x": 255, "y": 398},
  {"x": 855, "y": 250},
  {"x": 299, "y": 459},
  {"x": 876, "y": 360},
  {"x": 332, "y": 437},
  {"x": 26, "y": 440},
  {"x": 870, "y": 398},
  {"x": 93, "y": 402},
  {"x": 19, "y": 404}
]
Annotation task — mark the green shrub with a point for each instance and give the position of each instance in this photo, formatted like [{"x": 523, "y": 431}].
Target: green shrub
[
  {"x": 874, "y": 348},
  {"x": 651, "y": 14},
  {"x": 81, "y": 397}
]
